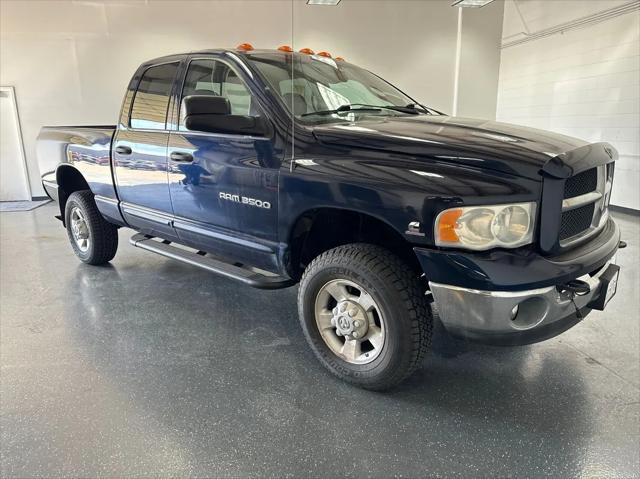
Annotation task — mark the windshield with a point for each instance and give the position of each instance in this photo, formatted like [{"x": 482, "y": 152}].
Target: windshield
[{"x": 321, "y": 85}]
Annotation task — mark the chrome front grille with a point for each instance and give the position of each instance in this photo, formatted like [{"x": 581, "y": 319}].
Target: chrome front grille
[
  {"x": 585, "y": 207},
  {"x": 582, "y": 183},
  {"x": 576, "y": 221}
]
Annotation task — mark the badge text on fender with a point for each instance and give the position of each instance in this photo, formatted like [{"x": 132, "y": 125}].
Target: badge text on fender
[{"x": 245, "y": 200}]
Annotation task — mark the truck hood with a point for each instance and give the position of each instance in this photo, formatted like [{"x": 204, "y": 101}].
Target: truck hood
[{"x": 511, "y": 149}]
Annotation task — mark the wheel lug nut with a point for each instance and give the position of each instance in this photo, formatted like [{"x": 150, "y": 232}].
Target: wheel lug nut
[
  {"x": 356, "y": 323},
  {"x": 333, "y": 321},
  {"x": 343, "y": 307},
  {"x": 355, "y": 334},
  {"x": 335, "y": 311},
  {"x": 352, "y": 313}
]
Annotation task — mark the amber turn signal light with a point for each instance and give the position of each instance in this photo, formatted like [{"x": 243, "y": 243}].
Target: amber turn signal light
[
  {"x": 245, "y": 47},
  {"x": 447, "y": 225}
]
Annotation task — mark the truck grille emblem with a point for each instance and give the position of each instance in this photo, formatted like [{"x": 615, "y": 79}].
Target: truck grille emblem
[{"x": 414, "y": 229}]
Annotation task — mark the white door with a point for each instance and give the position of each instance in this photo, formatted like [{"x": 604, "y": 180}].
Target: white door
[{"x": 14, "y": 184}]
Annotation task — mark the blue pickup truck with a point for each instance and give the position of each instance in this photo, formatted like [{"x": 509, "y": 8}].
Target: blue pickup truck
[{"x": 275, "y": 167}]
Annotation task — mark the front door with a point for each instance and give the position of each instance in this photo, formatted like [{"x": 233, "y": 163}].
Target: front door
[
  {"x": 140, "y": 155},
  {"x": 224, "y": 187}
]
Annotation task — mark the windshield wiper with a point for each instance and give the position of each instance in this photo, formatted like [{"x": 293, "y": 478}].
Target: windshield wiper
[
  {"x": 342, "y": 109},
  {"x": 410, "y": 109},
  {"x": 419, "y": 107},
  {"x": 401, "y": 109}
]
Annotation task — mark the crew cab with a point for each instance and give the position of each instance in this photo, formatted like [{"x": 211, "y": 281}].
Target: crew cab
[{"x": 275, "y": 167}]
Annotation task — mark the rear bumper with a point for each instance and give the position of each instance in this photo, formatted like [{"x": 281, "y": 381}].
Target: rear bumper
[
  {"x": 511, "y": 298},
  {"x": 51, "y": 188}
]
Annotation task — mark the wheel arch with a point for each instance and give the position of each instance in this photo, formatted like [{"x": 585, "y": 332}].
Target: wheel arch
[
  {"x": 69, "y": 180},
  {"x": 319, "y": 229}
]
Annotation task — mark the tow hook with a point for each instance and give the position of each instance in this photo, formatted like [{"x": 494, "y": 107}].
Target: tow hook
[{"x": 573, "y": 288}]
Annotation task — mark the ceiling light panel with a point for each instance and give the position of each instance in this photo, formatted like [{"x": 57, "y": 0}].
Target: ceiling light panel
[
  {"x": 470, "y": 3},
  {"x": 323, "y": 2}
]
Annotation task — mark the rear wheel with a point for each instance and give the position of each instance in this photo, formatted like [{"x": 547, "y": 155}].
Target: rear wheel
[
  {"x": 364, "y": 315},
  {"x": 93, "y": 239}
]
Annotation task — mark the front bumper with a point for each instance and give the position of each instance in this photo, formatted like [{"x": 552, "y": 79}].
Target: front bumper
[
  {"x": 513, "y": 317},
  {"x": 508, "y": 280}
]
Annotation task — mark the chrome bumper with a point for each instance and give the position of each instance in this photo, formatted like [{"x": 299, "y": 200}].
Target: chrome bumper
[{"x": 512, "y": 317}]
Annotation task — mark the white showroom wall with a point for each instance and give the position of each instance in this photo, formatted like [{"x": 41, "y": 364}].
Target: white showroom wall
[
  {"x": 70, "y": 61},
  {"x": 582, "y": 82},
  {"x": 414, "y": 45}
]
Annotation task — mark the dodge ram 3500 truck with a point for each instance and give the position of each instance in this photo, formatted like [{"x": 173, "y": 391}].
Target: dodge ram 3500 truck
[{"x": 275, "y": 167}]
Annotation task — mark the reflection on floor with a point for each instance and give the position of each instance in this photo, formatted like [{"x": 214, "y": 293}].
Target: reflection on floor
[{"x": 148, "y": 367}]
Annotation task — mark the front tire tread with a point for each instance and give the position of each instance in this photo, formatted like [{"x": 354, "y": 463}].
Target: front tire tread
[{"x": 375, "y": 260}]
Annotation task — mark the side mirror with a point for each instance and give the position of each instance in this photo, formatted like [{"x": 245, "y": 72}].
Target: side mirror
[
  {"x": 212, "y": 114},
  {"x": 206, "y": 105}
]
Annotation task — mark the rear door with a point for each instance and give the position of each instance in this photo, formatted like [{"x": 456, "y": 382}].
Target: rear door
[
  {"x": 140, "y": 152},
  {"x": 224, "y": 187}
]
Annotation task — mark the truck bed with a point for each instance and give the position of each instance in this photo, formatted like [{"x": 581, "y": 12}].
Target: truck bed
[{"x": 86, "y": 148}]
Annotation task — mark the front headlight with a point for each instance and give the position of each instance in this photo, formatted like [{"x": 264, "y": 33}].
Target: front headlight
[{"x": 484, "y": 227}]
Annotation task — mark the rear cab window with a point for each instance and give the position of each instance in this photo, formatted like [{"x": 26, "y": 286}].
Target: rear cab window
[{"x": 151, "y": 101}]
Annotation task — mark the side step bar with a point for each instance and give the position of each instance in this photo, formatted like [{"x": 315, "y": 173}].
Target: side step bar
[{"x": 208, "y": 262}]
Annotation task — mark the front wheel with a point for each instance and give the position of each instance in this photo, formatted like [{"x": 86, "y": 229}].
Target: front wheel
[
  {"x": 364, "y": 315},
  {"x": 93, "y": 239}
]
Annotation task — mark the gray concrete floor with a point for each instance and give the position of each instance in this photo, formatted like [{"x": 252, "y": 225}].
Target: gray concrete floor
[{"x": 148, "y": 368}]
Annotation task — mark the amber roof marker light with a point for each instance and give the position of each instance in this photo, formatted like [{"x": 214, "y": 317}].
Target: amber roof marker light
[
  {"x": 285, "y": 48},
  {"x": 247, "y": 47},
  {"x": 339, "y": 59},
  {"x": 307, "y": 51},
  {"x": 324, "y": 54}
]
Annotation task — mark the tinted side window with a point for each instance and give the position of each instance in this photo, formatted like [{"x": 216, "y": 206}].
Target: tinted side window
[
  {"x": 236, "y": 92},
  {"x": 200, "y": 79},
  {"x": 150, "y": 104},
  {"x": 211, "y": 77}
]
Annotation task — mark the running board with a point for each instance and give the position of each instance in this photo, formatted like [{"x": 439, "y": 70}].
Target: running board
[{"x": 208, "y": 262}]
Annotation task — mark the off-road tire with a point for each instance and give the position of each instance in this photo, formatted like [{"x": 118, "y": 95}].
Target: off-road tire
[
  {"x": 400, "y": 295},
  {"x": 104, "y": 235}
]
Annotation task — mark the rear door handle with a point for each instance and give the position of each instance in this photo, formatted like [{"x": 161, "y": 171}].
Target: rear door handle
[
  {"x": 181, "y": 156},
  {"x": 123, "y": 150}
]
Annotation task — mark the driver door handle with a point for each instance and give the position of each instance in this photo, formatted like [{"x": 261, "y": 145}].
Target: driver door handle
[
  {"x": 181, "y": 157},
  {"x": 123, "y": 150}
]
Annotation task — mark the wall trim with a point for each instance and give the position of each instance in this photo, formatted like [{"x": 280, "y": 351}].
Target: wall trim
[
  {"x": 572, "y": 25},
  {"x": 624, "y": 209},
  {"x": 456, "y": 71}
]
